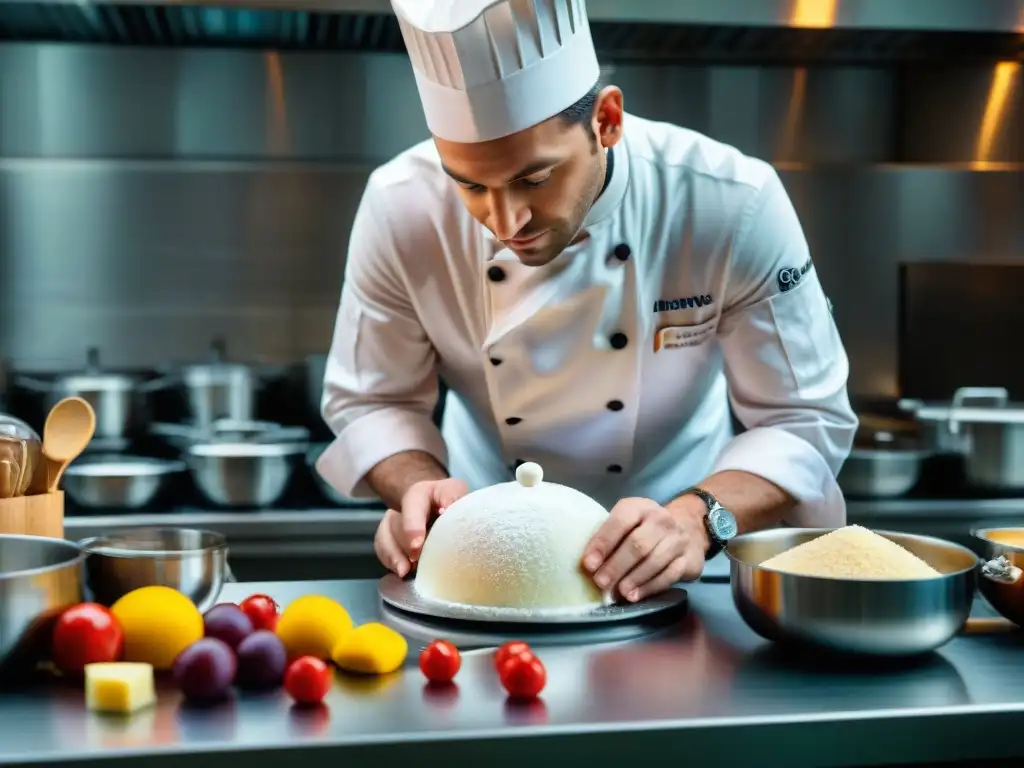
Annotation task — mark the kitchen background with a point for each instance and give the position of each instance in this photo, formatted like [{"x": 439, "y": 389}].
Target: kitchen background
[{"x": 177, "y": 186}]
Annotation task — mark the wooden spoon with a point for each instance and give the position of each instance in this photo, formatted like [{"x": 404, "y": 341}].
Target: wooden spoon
[{"x": 68, "y": 429}]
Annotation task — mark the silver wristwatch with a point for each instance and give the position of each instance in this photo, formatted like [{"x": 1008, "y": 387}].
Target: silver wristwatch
[{"x": 718, "y": 521}]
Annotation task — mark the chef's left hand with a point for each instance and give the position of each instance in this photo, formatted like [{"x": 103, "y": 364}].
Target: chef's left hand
[{"x": 644, "y": 548}]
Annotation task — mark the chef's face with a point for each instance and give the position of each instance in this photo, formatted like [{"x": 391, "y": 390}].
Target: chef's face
[{"x": 533, "y": 189}]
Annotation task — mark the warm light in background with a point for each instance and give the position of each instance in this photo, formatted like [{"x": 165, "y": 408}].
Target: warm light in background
[
  {"x": 794, "y": 111},
  {"x": 813, "y": 13},
  {"x": 1005, "y": 79},
  {"x": 277, "y": 110}
]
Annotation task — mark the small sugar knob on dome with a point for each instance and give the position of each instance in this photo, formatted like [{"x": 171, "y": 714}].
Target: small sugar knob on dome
[{"x": 529, "y": 474}]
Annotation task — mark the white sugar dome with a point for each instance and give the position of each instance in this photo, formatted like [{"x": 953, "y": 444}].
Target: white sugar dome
[{"x": 515, "y": 546}]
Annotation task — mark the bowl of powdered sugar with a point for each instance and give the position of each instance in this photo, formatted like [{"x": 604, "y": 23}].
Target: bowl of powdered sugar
[{"x": 853, "y": 590}]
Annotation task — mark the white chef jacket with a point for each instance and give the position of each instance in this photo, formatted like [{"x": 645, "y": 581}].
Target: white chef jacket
[{"x": 614, "y": 365}]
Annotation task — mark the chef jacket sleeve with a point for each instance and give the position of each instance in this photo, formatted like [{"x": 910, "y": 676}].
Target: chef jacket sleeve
[
  {"x": 785, "y": 363},
  {"x": 380, "y": 381}
]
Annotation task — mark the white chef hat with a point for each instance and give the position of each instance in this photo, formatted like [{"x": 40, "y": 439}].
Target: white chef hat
[{"x": 489, "y": 68}]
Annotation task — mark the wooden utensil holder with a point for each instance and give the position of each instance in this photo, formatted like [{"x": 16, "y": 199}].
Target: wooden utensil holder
[{"x": 38, "y": 515}]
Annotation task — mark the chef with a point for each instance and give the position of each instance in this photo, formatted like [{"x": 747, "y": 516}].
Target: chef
[{"x": 596, "y": 290}]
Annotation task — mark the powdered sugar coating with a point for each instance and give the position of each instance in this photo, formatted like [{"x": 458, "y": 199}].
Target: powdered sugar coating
[{"x": 511, "y": 546}]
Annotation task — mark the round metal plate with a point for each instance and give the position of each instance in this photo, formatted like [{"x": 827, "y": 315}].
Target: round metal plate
[
  {"x": 400, "y": 594},
  {"x": 472, "y": 635}
]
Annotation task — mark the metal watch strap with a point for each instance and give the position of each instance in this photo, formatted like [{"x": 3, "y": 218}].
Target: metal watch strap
[{"x": 715, "y": 545}]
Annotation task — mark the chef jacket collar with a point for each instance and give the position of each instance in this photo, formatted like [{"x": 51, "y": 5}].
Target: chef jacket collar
[{"x": 609, "y": 200}]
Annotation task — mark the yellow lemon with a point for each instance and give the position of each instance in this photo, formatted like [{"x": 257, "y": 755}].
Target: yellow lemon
[
  {"x": 372, "y": 649},
  {"x": 158, "y": 623},
  {"x": 312, "y": 626}
]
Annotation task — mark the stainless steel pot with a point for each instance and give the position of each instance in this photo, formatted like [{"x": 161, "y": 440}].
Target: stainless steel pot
[
  {"x": 934, "y": 417},
  {"x": 116, "y": 481},
  {"x": 991, "y": 436},
  {"x": 996, "y": 457},
  {"x": 192, "y": 561},
  {"x": 876, "y": 618},
  {"x": 39, "y": 578},
  {"x": 244, "y": 474},
  {"x": 220, "y": 389},
  {"x": 887, "y": 469},
  {"x": 115, "y": 397}
]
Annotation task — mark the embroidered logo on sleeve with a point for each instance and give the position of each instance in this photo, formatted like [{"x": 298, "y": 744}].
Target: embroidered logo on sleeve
[{"x": 790, "y": 277}]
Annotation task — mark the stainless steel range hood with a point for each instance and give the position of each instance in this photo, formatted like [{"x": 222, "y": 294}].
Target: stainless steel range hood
[{"x": 758, "y": 30}]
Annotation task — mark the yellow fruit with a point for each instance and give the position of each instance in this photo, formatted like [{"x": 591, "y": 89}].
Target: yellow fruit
[
  {"x": 372, "y": 649},
  {"x": 312, "y": 626},
  {"x": 158, "y": 623}
]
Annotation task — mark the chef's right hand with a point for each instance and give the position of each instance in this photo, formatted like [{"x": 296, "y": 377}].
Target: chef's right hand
[{"x": 401, "y": 533}]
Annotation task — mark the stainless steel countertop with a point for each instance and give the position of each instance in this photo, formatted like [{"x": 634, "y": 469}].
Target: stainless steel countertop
[{"x": 707, "y": 689}]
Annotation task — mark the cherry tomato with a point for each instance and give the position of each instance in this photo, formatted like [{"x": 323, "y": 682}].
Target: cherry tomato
[
  {"x": 84, "y": 634},
  {"x": 261, "y": 610},
  {"x": 508, "y": 650},
  {"x": 523, "y": 676},
  {"x": 307, "y": 680},
  {"x": 440, "y": 661}
]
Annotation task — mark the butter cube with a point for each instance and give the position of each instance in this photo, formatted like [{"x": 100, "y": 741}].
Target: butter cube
[{"x": 122, "y": 687}]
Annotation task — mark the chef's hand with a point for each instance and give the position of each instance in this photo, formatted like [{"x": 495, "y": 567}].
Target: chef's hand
[
  {"x": 401, "y": 533},
  {"x": 644, "y": 548}
]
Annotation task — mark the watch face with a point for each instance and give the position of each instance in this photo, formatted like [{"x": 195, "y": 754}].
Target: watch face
[{"x": 722, "y": 524}]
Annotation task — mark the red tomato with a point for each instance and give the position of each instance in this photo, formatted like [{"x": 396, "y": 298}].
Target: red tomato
[
  {"x": 523, "y": 676},
  {"x": 440, "y": 661},
  {"x": 261, "y": 610},
  {"x": 307, "y": 680},
  {"x": 508, "y": 650},
  {"x": 84, "y": 634}
]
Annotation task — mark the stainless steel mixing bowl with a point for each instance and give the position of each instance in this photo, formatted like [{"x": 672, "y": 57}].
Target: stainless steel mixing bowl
[
  {"x": 192, "y": 561},
  {"x": 244, "y": 474},
  {"x": 870, "y": 617},
  {"x": 39, "y": 578},
  {"x": 881, "y": 473},
  {"x": 117, "y": 481}
]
